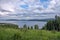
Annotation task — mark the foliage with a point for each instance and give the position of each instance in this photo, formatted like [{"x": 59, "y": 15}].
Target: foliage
[
  {"x": 31, "y": 27},
  {"x": 8, "y": 25},
  {"x": 53, "y": 24},
  {"x": 28, "y": 27},
  {"x": 25, "y": 26},
  {"x": 36, "y": 27}
]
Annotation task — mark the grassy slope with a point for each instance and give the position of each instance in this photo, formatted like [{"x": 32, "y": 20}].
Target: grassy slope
[{"x": 17, "y": 34}]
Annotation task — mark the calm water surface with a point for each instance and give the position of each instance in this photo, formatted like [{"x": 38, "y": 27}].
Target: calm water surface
[{"x": 28, "y": 23}]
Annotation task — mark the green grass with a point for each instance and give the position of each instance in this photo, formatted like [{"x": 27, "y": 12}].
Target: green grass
[
  {"x": 23, "y": 34},
  {"x": 12, "y": 32}
]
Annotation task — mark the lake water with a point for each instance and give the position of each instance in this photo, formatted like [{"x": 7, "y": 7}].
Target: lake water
[{"x": 28, "y": 23}]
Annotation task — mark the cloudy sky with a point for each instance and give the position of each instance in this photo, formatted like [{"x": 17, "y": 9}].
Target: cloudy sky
[{"x": 29, "y": 9}]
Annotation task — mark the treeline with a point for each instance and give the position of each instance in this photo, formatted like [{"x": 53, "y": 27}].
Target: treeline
[
  {"x": 53, "y": 24},
  {"x": 8, "y": 25},
  {"x": 30, "y": 27}
]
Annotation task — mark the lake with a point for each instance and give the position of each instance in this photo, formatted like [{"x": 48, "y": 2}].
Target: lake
[{"x": 28, "y": 23}]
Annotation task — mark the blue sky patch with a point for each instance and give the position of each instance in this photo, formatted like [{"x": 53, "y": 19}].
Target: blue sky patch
[
  {"x": 44, "y": 1},
  {"x": 24, "y": 6}
]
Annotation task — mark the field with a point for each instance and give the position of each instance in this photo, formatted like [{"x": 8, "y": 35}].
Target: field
[
  {"x": 23, "y": 34},
  {"x": 12, "y": 32}
]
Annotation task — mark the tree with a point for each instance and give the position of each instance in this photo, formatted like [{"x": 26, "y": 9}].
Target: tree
[
  {"x": 28, "y": 27},
  {"x": 25, "y": 26},
  {"x": 36, "y": 27},
  {"x": 31, "y": 27},
  {"x": 53, "y": 24}
]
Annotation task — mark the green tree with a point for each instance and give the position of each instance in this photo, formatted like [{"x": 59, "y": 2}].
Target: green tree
[
  {"x": 53, "y": 24},
  {"x": 25, "y": 26},
  {"x": 36, "y": 27},
  {"x": 28, "y": 27},
  {"x": 31, "y": 27}
]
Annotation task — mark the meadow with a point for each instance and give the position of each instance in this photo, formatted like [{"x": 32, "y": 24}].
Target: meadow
[{"x": 28, "y": 34}]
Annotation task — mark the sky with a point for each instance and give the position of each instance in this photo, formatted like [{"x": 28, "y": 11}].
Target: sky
[{"x": 29, "y": 9}]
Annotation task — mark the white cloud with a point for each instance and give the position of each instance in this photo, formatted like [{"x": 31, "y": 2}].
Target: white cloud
[
  {"x": 34, "y": 6},
  {"x": 9, "y": 7}
]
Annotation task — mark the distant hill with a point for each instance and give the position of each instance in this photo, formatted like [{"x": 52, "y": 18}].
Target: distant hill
[
  {"x": 12, "y": 20},
  {"x": 30, "y": 19}
]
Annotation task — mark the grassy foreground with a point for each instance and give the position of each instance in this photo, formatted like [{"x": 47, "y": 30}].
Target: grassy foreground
[{"x": 23, "y": 34}]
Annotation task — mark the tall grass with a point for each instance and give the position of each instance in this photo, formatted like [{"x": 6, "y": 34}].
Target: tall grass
[
  {"x": 17, "y": 34},
  {"x": 12, "y": 32}
]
